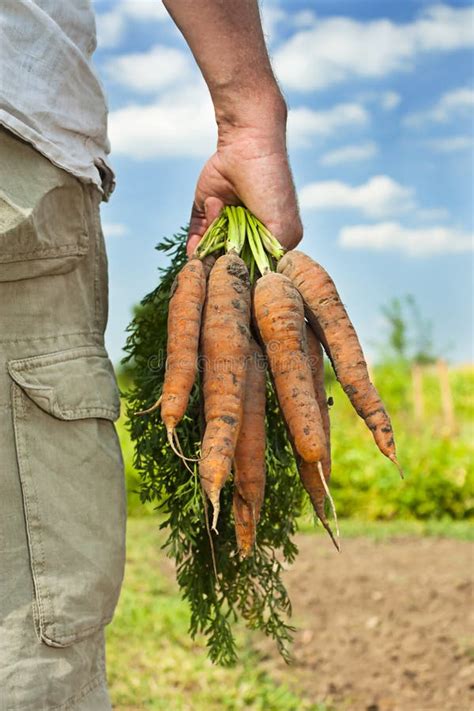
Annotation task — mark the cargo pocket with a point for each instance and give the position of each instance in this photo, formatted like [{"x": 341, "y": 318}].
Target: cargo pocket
[
  {"x": 71, "y": 474},
  {"x": 44, "y": 233}
]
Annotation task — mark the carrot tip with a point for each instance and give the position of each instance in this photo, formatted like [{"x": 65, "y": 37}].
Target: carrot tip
[
  {"x": 333, "y": 508},
  {"x": 328, "y": 528},
  {"x": 393, "y": 458},
  {"x": 211, "y": 542},
  {"x": 215, "y": 515}
]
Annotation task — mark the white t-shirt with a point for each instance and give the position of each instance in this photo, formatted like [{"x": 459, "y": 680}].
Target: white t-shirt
[{"x": 50, "y": 95}]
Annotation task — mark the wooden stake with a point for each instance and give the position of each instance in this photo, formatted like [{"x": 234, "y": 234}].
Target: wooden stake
[
  {"x": 447, "y": 405},
  {"x": 418, "y": 399}
]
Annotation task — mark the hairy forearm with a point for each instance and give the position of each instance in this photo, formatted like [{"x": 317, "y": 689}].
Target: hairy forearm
[
  {"x": 226, "y": 39},
  {"x": 250, "y": 165}
]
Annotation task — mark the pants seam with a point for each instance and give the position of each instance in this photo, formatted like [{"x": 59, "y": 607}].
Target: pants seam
[
  {"x": 87, "y": 689},
  {"x": 56, "y": 336},
  {"x": 30, "y": 502},
  {"x": 68, "y": 705}
]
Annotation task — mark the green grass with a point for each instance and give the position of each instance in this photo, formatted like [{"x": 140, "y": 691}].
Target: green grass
[
  {"x": 439, "y": 479},
  {"x": 135, "y": 506},
  {"x": 152, "y": 662},
  {"x": 386, "y": 530},
  {"x": 154, "y": 665}
]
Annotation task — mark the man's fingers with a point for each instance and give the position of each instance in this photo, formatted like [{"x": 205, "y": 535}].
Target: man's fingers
[
  {"x": 291, "y": 234},
  {"x": 288, "y": 233},
  {"x": 200, "y": 221},
  {"x": 212, "y": 207},
  {"x": 191, "y": 244},
  {"x": 197, "y": 227}
]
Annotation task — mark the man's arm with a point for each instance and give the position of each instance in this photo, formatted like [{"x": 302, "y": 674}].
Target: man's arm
[{"x": 250, "y": 165}]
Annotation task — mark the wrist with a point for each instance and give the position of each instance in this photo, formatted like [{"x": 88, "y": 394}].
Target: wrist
[{"x": 251, "y": 107}]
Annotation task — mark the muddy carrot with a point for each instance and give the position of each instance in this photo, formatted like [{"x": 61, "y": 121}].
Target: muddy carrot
[
  {"x": 329, "y": 320},
  {"x": 316, "y": 360},
  {"x": 184, "y": 324},
  {"x": 249, "y": 459},
  {"x": 224, "y": 345},
  {"x": 279, "y": 316}
]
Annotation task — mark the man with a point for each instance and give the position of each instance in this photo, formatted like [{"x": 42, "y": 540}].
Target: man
[{"x": 62, "y": 503}]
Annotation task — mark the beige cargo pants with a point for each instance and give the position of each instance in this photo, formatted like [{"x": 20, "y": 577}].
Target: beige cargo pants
[{"x": 62, "y": 501}]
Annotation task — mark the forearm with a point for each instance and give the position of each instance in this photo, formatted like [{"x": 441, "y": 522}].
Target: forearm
[
  {"x": 250, "y": 165},
  {"x": 227, "y": 41}
]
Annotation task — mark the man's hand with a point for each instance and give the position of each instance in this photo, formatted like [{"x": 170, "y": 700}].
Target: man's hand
[{"x": 250, "y": 166}]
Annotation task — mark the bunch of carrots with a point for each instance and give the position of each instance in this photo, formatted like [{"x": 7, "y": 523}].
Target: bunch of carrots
[{"x": 241, "y": 306}]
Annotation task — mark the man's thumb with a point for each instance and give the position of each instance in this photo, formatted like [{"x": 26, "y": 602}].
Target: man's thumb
[{"x": 212, "y": 208}]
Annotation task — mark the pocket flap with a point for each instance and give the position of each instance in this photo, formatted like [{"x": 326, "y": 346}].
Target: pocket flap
[{"x": 70, "y": 385}]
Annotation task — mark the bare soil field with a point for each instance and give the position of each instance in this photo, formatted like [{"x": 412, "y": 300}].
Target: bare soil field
[{"x": 384, "y": 626}]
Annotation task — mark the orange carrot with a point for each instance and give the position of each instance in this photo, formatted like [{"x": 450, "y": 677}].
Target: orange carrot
[
  {"x": 329, "y": 319},
  {"x": 280, "y": 318},
  {"x": 316, "y": 360},
  {"x": 315, "y": 476},
  {"x": 225, "y": 344},
  {"x": 249, "y": 459},
  {"x": 184, "y": 324},
  {"x": 244, "y": 524},
  {"x": 314, "y": 481}
]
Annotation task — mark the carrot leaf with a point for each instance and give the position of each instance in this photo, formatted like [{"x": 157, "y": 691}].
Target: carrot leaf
[
  {"x": 249, "y": 591},
  {"x": 237, "y": 229}
]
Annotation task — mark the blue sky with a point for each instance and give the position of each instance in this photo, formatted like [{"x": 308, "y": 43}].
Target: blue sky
[{"x": 380, "y": 137}]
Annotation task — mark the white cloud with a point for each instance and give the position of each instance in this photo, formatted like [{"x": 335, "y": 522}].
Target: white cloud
[
  {"x": 305, "y": 123},
  {"x": 337, "y": 49},
  {"x": 451, "y": 144},
  {"x": 333, "y": 51},
  {"x": 112, "y": 25},
  {"x": 454, "y": 104},
  {"x": 377, "y": 198},
  {"x": 272, "y": 17},
  {"x": 390, "y": 100},
  {"x": 443, "y": 27},
  {"x": 350, "y": 154},
  {"x": 303, "y": 18},
  {"x": 114, "y": 229},
  {"x": 432, "y": 213},
  {"x": 150, "y": 71},
  {"x": 144, "y": 10},
  {"x": 179, "y": 123},
  {"x": 386, "y": 100},
  {"x": 416, "y": 242},
  {"x": 110, "y": 29}
]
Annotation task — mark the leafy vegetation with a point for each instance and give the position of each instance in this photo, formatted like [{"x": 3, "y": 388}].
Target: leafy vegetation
[
  {"x": 409, "y": 336},
  {"x": 439, "y": 478},
  {"x": 153, "y": 665},
  {"x": 217, "y": 584},
  {"x": 439, "y": 481}
]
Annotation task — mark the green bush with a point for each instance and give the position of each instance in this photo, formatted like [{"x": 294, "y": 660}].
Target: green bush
[{"x": 439, "y": 477}]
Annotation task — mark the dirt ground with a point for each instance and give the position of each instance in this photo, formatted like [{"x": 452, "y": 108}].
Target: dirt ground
[{"x": 384, "y": 626}]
